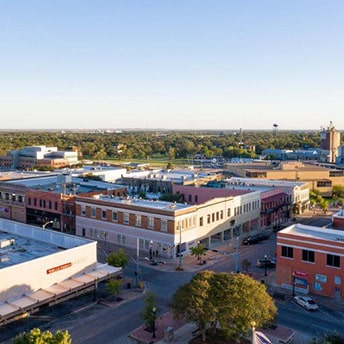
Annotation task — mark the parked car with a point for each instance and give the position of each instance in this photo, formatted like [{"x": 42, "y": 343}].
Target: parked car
[
  {"x": 306, "y": 302},
  {"x": 255, "y": 239},
  {"x": 250, "y": 240},
  {"x": 269, "y": 263}
]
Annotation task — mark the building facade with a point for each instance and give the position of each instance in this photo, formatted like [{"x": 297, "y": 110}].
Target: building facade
[
  {"x": 317, "y": 177},
  {"x": 330, "y": 141},
  {"x": 166, "y": 227},
  {"x": 311, "y": 260}
]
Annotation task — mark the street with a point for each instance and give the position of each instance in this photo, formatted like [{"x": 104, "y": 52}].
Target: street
[{"x": 111, "y": 325}]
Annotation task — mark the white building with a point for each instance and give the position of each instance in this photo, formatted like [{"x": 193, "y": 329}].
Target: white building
[{"x": 40, "y": 267}]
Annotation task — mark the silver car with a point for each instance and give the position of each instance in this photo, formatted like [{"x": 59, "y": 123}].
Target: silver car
[{"x": 306, "y": 302}]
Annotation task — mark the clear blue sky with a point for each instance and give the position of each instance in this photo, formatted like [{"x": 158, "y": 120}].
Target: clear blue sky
[{"x": 177, "y": 64}]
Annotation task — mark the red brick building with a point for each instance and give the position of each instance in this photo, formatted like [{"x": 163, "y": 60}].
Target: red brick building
[
  {"x": 338, "y": 220},
  {"x": 311, "y": 259}
]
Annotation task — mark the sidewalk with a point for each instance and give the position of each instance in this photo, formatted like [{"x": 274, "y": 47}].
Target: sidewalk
[{"x": 183, "y": 331}]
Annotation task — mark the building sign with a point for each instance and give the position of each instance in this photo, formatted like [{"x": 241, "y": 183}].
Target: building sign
[
  {"x": 320, "y": 278},
  {"x": 58, "y": 268},
  {"x": 337, "y": 280},
  {"x": 300, "y": 282},
  {"x": 301, "y": 274}
]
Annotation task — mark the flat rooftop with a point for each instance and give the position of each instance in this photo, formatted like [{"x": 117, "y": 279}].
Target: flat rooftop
[
  {"x": 313, "y": 232},
  {"x": 23, "y": 249},
  {"x": 59, "y": 184},
  {"x": 14, "y": 175},
  {"x": 21, "y": 242},
  {"x": 163, "y": 205},
  {"x": 264, "y": 182}
]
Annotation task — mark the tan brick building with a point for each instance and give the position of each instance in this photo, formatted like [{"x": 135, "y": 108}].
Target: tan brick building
[{"x": 317, "y": 177}]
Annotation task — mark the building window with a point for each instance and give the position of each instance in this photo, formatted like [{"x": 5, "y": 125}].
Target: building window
[
  {"x": 308, "y": 256},
  {"x": 333, "y": 260},
  {"x": 119, "y": 237},
  {"x": 114, "y": 216},
  {"x": 126, "y": 218},
  {"x": 104, "y": 214},
  {"x": 324, "y": 183},
  {"x": 29, "y": 201},
  {"x": 83, "y": 232},
  {"x": 56, "y": 207},
  {"x": 201, "y": 221},
  {"x": 287, "y": 252},
  {"x": 208, "y": 218},
  {"x": 93, "y": 212},
  {"x": 196, "y": 198},
  {"x": 164, "y": 225},
  {"x": 229, "y": 212},
  {"x": 50, "y": 205},
  {"x": 138, "y": 221},
  {"x": 190, "y": 198},
  {"x": 150, "y": 222}
]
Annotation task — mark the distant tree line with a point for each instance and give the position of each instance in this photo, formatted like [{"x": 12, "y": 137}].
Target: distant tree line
[{"x": 165, "y": 144}]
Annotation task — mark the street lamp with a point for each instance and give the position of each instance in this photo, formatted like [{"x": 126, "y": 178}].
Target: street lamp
[
  {"x": 265, "y": 265},
  {"x": 198, "y": 255},
  {"x": 47, "y": 223},
  {"x": 237, "y": 255},
  {"x": 253, "y": 324},
  {"x": 180, "y": 247},
  {"x": 151, "y": 250},
  {"x": 294, "y": 282},
  {"x": 153, "y": 327}
]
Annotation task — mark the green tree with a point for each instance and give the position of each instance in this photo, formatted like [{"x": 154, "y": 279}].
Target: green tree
[
  {"x": 324, "y": 204},
  {"x": 338, "y": 191},
  {"x": 149, "y": 303},
  {"x": 230, "y": 301},
  {"x": 245, "y": 300},
  {"x": 118, "y": 259},
  {"x": 36, "y": 336},
  {"x": 193, "y": 302},
  {"x": 113, "y": 286},
  {"x": 198, "y": 251},
  {"x": 333, "y": 338}
]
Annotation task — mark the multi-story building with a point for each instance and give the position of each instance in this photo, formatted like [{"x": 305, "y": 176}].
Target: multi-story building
[
  {"x": 48, "y": 198},
  {"x": 40, "y": 267},
  {"x": 330, "y": 141},
  {"x": 162, "y": 181},
  {"x": 166, "y": 227},
  {"x": 340, "y": 157},
  {"x": 38, "y": 155},
  {"x": 338, "y": 220},
  {"x": 297, "y": 192},
  {"x": 310, "y": 259},
  {"x": 317, "y": 177}
]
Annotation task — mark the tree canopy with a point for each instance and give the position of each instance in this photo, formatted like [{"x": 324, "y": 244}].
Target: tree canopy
[
  {"x": 118, "y": 259},
  {"x": 230, "y": 301},
  {"x": 36, "y": 336},
  {"x": 167, "y": 144}
]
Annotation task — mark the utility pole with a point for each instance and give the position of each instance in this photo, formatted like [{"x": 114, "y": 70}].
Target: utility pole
[
  {"x": 237, "y": 255},
  {"x": 180, "y": 257}
]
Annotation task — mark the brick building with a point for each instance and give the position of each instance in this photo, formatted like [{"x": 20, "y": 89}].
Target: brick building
[{"x": 311, "y": 260}]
